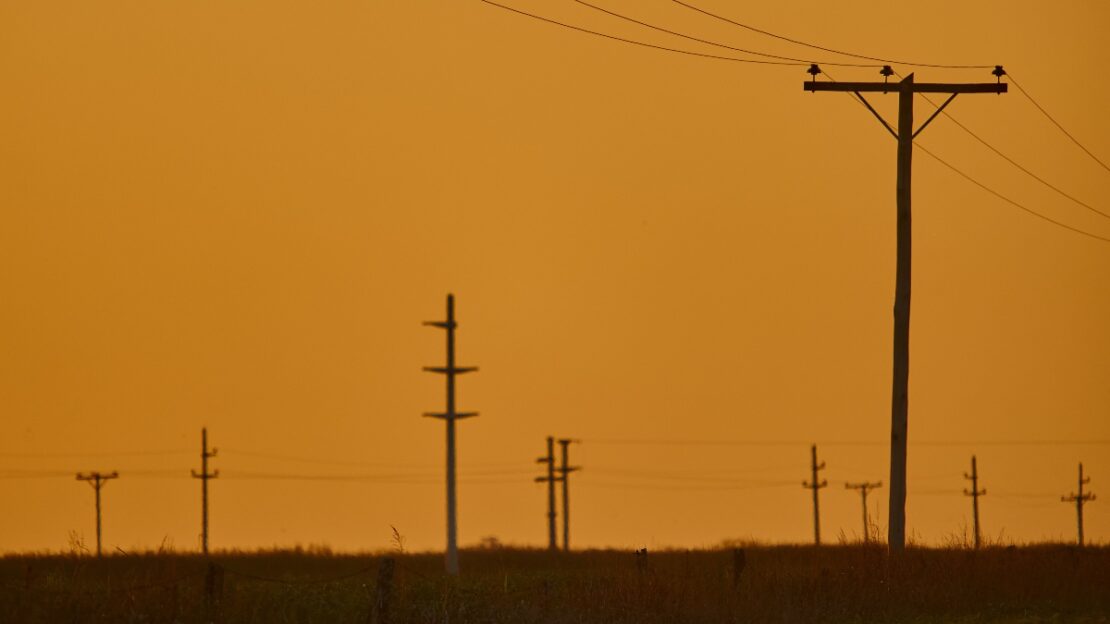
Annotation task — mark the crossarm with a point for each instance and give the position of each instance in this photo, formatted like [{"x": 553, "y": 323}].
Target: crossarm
[{"x": 921, "y": 87}]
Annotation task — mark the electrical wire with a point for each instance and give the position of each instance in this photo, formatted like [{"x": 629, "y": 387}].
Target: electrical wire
[
  {"x": 341, "y": 462},
  {"x": 1013, "y": 162},
  {"x": 823, "y": 48},
  {"x": 989, "y": 189},
  {"x": 665, "y": 476},
  {"x": 676, "y": 487},
  {"x": 772, "y": 443},
  {"x": 716, "y": 44},
  {"x": 1011, "y": 201},
  {"x": 1014, "y": 82},
  {"x": 299, "y": 458},
  {"x": 400, "y": 478},
  {"x": 1018, "y": 165},
  {"x": 640, "y": 43},
  {"x": 98, "y": 454},
  {"x": 35, "y": 474}
]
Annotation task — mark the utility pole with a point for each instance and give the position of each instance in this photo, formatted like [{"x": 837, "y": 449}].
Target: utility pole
[
  {"x": 450, "y": 416},
  {"x": 864, "y": 488},
  {"x": 1080, "y": 499},
  {"x": 905, "y": 135},
  {"x": 815, "y": 485},
  {"x": 564, "y": 476},
  {"x": 97, "y": 481},
  {"x": 975, "y": 493},
  {"x": 550, "y": 479},
  {"x": 204, "y": 476}
]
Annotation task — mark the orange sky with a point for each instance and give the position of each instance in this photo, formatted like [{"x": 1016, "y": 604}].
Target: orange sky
[{"x": 237, "y": 215}]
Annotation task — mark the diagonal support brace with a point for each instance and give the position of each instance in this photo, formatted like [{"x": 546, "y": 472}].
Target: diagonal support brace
[
  {"x": 877, "y": 115},
  {"x": 935, "y": 113}
]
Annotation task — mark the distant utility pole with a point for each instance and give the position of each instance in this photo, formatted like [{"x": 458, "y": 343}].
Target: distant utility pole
[
  {"x": 1080, "y": 499},
  {"x": 974, "y": 493},
  {"x": 815, "y": 485},
  {"x": 905, "y": 136},
  {"x": 450, "y": 416},
  {"x": 864, "y": 488},
  {"x": 550, "y": 479},
  {"x": 97, "y": 481},
  {"x": 204, "y": 476},
  {"x": 564, "y": 476}
]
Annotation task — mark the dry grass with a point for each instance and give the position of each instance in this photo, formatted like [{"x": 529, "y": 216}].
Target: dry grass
[{"x": 847, "y": 583}]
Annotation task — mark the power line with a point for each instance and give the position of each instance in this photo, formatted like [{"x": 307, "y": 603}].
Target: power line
[
  {"x": 341, "y": 462},
  {"x": 786, "y": 442},
  {"x": 681, "y": 488},
  {"x": 1011, "y": 201},
  {"x": 1010, "y": 160},
  {"x": 301, "y": 459},
  {"x": 95, "y": 454},
  {"x": 640, "y": 43},
  {"x": 376, "y": 476},
  {"x": 33, "y": 474},
  {"x": 800, "y": 61},
  {"x": 1020, "y": 167},
  {"x": 1057, "y": 124},
  {"x": 822, "y": 48},
  {"x": 984, "y": 186},
  {"x": 648, "y": 475}
]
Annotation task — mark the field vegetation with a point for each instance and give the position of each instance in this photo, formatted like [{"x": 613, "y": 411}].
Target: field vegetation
[{"x": 788, "y": 584}]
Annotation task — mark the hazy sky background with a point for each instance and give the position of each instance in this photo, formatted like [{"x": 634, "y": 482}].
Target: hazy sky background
[{"x": 237, "y": 214}]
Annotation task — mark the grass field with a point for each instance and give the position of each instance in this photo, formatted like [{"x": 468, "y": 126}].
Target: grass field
[{"x": 777, "y": 584}]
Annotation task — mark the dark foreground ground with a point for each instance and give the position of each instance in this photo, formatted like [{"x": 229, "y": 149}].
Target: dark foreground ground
[{"x": 776, "y": 584}]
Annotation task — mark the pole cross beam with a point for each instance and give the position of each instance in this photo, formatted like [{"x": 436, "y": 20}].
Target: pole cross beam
[
  {"x": 204, "y": 475},
  {"x": 863, "y": 489},
  {"x": 975, "y": 492},
  {"x": 97, "y": 481},
  {"x": 815, "y": 485},
  {"x": 550, "y": 479},
  {"x": 896, "y": 531},
  {"x": 564, "y": 475},
  {"x": 1080, "y": 499},
  {"x": 450, "y": 415}
]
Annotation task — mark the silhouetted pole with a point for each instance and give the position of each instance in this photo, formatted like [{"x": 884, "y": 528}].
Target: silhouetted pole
[
  {"x": 204, "y": 476},
  {"x": 975, "y": 493},
  {"x": 864, "y": 488},
  {"x": 1080, "y": 499},
  {"x": 450, "y": 416},
  {"x": 97, "y": 481},
  {"x": 905, "y": 136},
  {"x": 815, "y": 485},
  {"x": 564, "y": 476},
  {"x": 550, "y": 479}
]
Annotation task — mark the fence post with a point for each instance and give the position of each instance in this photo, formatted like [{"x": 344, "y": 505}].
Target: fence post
[
  {"x": 213, "y": 590},
  {"x": 739, "y": 561},
  {"x": 383, "y": 593}
]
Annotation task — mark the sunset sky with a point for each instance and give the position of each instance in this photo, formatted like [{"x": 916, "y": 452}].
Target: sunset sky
[{"x": 237, "y": 215}]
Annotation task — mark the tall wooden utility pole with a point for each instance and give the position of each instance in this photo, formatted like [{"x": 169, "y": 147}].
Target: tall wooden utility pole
[
  {"x": 450, "y": 416},
  {"x": 564, "y": 475},
  {"x": 204, "y": 476},
  {"x": 97, "y": 481},
  {"x": 550, "y": 479},
  {"x": 1080, "y": 499},
  {"x": 864, "y": 488},
  {"x": 815, "y": 485},
  {"x": 905, "y": 136},
  {"x": 974, "y": 493}
]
